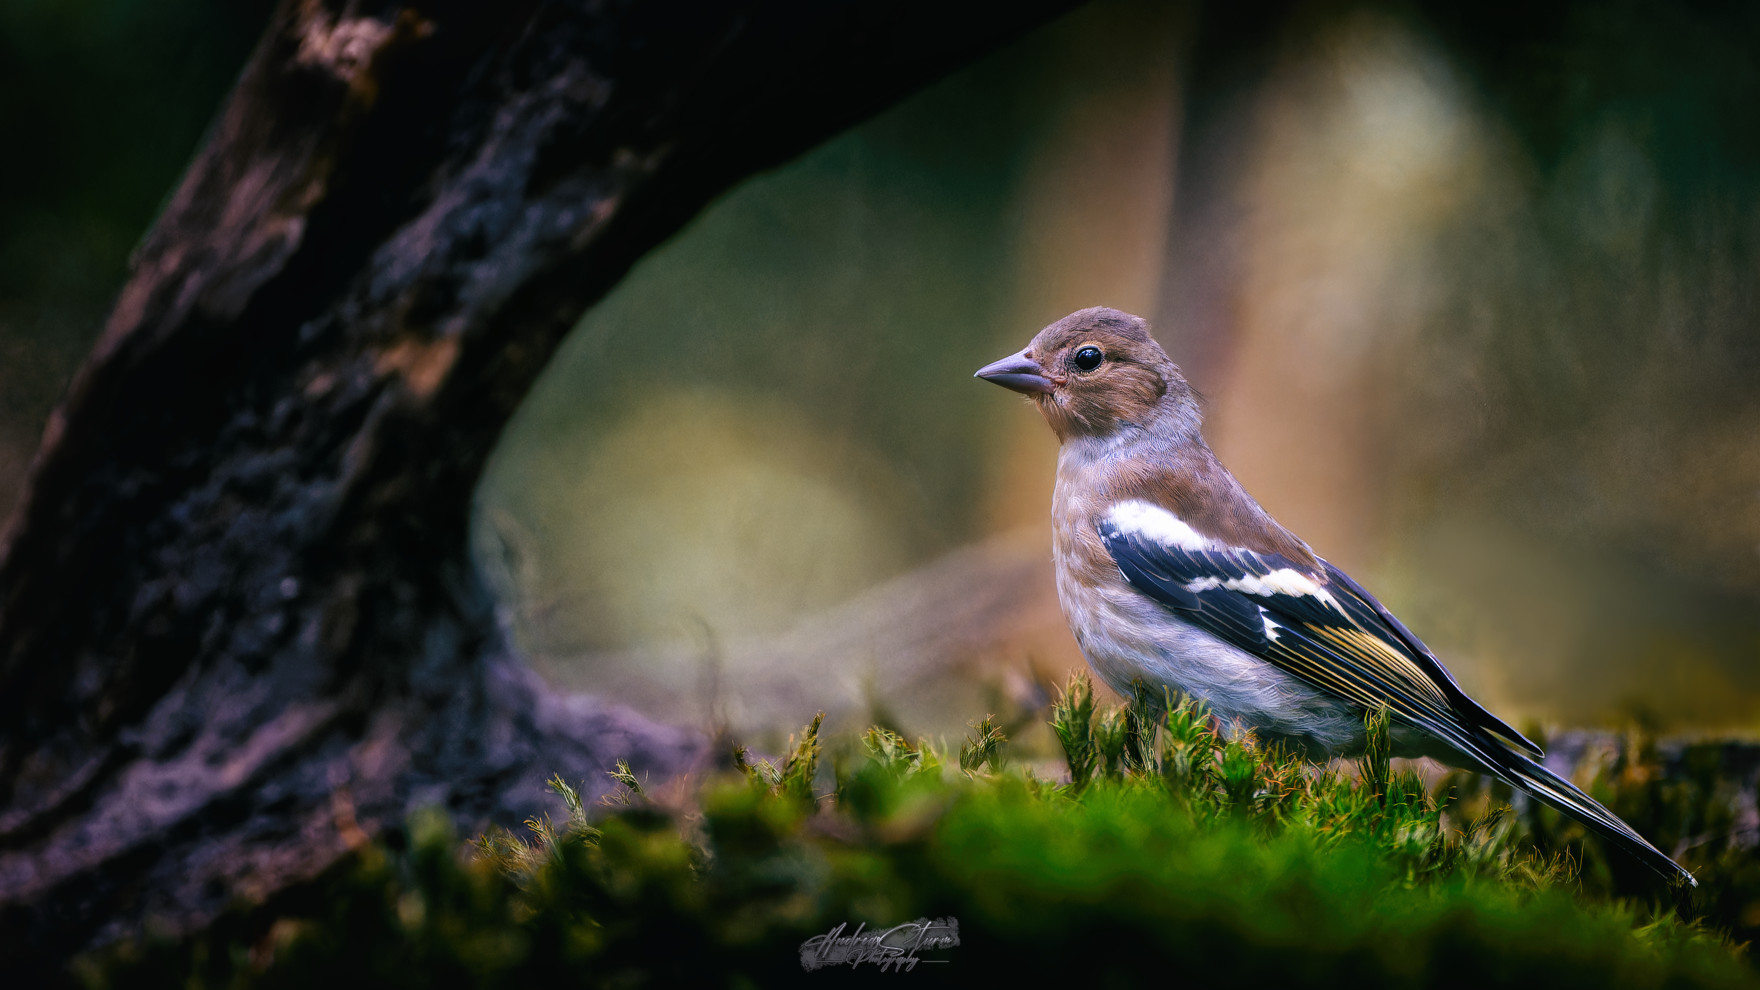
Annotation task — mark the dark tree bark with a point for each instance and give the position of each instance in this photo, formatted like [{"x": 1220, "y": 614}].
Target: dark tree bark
[{"x": 239, "y": 629}]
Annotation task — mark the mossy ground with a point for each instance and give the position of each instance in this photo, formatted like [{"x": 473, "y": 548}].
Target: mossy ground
[{"x": 1172, "y": 853}]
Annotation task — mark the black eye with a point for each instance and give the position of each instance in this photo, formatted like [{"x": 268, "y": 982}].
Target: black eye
[{"x": 1088, "y": 358}]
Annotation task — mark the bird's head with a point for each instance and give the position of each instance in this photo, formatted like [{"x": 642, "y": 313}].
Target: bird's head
[{"x": 1097, "y": 371}]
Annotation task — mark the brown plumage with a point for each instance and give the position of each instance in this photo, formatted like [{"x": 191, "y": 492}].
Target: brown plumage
[{"x": 1137, "y": 385}]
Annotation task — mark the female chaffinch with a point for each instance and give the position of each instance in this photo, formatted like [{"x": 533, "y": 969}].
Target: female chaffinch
[{"x": 1172, "y": 576}]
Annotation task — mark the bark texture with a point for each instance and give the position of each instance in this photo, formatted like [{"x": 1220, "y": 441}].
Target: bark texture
[{"x": 239, "y": 628}]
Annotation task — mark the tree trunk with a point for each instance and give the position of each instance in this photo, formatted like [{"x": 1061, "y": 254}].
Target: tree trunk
[{"x": 239, "y": 628}]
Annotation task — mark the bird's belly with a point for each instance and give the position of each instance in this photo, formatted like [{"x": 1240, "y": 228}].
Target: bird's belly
[{"x": 1130, "y": 640}]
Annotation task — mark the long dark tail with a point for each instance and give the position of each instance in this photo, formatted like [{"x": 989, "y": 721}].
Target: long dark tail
[{"x": 1556, "y": 792}]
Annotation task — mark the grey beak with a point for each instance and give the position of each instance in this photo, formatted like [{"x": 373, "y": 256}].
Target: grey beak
[{"x": 1017, "y": 372}]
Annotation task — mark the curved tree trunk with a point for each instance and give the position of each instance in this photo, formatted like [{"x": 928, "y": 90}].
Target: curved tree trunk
[{"x": 239, "y": 629}]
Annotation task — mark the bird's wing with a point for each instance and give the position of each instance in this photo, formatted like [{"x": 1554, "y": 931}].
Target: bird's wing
[
  {"x": 1316, "y": 624},
  {"x": 1323, "y": 627}
]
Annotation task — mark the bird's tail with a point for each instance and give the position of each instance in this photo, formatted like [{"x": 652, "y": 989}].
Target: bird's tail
[{"x": 1556, "y": 792}]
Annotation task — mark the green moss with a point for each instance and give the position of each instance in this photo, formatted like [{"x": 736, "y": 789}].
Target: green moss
[{"x": 1173, "y": 854}]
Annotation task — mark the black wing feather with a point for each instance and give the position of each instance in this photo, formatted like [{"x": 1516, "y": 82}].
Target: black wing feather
[
  {"x": 1349, "y": 643},
  {"x": 1339, "y": 638},
  {"x": 1334, "y": 634}
]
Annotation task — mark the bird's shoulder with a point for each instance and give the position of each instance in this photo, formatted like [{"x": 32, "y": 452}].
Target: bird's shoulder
[{"x": 1184, "y": 486}]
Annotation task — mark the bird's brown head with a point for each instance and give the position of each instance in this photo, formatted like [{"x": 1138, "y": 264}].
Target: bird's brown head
[{"x": 1094, "y": 371}]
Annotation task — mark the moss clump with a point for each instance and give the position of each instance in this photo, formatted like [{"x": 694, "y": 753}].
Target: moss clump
[{"x": 1173, "y": 853}]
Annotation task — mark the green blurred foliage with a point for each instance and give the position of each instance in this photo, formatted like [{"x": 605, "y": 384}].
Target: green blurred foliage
[
  {"x": 1600, "y": 325},
  {"x": 1172, "y": 853},
  {"x": 102, "y": 103}
]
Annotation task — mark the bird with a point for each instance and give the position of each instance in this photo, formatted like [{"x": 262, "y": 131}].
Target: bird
[{"x": 1173, "y": 577}]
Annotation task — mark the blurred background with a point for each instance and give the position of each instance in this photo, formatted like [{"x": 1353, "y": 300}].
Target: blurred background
[{"x": 1471, "y": 295}]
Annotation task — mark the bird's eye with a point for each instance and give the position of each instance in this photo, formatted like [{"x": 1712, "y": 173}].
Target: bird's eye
[{"x": 1088, "y": 358}]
